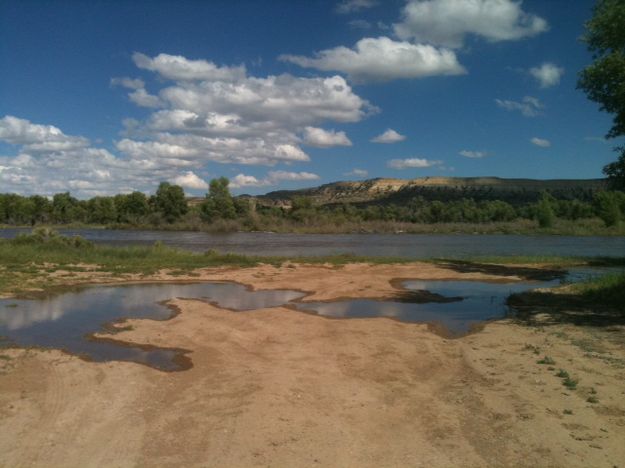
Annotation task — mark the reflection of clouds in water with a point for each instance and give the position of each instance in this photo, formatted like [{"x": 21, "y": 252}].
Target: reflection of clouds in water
[
  {"x": 336, "y": 309},
  {"x": 228, "y": 295},
  {"x": 134, "y": 300},
  {"x": 391, "y": 309},
  {"x": 28, "y": 313}
]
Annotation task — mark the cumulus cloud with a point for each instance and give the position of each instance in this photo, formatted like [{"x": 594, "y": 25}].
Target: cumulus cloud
[
  {"x": 176, "y": 67},
  {"x": 448, "y": 22},
  {"x": 540, "y": 142},
  {"x": 144, "y": 99},
  {"x": 529, "y": 106},
  {"x": 220, "y": 114},
  {"x": 51, "y": 161},
  {"x": 272, "y": 178},
  {"x": 38, "y": 138},
  {"x": 412, "y": 163},
  {"x": 389, "y": 136},
  {"x": 382, "y": 59},
  {"x": 351, "y": 6},
  {"x": 190, "y": 180},
  {"x": 473, "y": 154},
  {"x": 547, "y": 74},
  {"x": 199, "y": 114},
  {"x": 242, "y": 180},
  {"x": 357, "y": 173},
  {"x": 321, "y": 138}
]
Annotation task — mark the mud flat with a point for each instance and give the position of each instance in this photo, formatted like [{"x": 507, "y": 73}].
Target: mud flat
[{"x": 277, "y": 387}]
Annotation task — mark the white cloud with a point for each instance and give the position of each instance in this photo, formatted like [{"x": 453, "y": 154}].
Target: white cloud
[
  {"x": 359, "y": 24},
  {"x": 529, "y": 106},
  {"x": 38, "y": 138},
  {"x": 50, "y": 161},
  {"x": 284, "y": 175},
  {"x": 597, "y": 139},
  {"x": 412, "y": 163},
  {"x": 321, "y": 138},
  {"x": 389, "y": 136},
  {"x": 176, "y": 67},
  {"x": 448, "y": 22},
  {"x": 547, "y": 74},
  {"x": 130, "y": 83},
  {"x": 357, "y": 173},
  {"x": 351, "y": 6},
  {"x": 144, "y": 99},
  {"x": 473, "y": 154},
  {"x": 220, "y": 114},
  {"x": 382, "y": 59},
  {"x": 242, "y": 180},
  {"x": 190, "y": 180},
  {"x": 205, "y": 114},
  {"x": 272, "y": 178},
  {"x": 540, "y": 142}
]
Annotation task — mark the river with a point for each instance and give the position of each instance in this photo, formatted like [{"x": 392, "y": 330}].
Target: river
[{"x": 395, "y": 245}]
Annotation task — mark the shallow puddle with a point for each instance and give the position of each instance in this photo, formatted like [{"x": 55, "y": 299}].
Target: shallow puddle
[
  {"x": 68, "y": 320},
  {"x": 475, "y": 302}
]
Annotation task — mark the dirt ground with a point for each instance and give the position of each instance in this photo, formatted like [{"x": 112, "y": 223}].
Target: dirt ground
[{"x": 276, "y": 387}]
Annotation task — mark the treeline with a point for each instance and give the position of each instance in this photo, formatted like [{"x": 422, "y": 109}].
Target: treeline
[{"x": 169, "y": 206}]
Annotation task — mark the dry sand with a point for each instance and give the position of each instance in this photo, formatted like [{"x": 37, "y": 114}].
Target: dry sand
[{"x": 276, "y": 387}]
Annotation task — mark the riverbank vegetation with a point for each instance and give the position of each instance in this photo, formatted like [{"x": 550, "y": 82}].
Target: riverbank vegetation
[
  {"x": 33, "y": 260},
  {"x": 599, "y": 213}
]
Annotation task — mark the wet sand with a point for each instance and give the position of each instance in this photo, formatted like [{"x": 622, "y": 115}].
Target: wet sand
[{"x": 276, "y": 387}]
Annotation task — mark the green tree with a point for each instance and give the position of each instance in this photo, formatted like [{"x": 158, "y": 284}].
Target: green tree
[
  {"x": 608, "y": 207},
  {"x": 170, "y": 202},
  {"x": 218, "y": 203},
  {"x": 131, "y": 207},
  {"x": 66, "y": 208},
  {"x": 544, "y": 211},
  {"x": 102, "y": 210},
  {"x": 603, "y": 81}
]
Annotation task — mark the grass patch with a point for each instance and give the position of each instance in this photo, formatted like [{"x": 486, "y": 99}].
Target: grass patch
[
  {"x": 570, "y": 383},
  {"x": 27, "y": 260},
  {"x": 607, "y": 290},
  {"x": 592, "y": 399},
  {"x": 562, "y": 374},
  {"x": 546, "y": 360}
]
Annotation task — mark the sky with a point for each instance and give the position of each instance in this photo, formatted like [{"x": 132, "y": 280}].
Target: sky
[{"x": 103, "y": 97}]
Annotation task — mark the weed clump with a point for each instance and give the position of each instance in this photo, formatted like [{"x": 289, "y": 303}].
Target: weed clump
[{"x": 546, "y": 360}]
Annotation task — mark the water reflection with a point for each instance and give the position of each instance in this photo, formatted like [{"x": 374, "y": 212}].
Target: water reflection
[
  {"x": 481, "y": 301},
  {"x": 65, "y": 321}
]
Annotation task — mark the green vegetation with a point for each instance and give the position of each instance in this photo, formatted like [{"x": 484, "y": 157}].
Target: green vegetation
[
  {"x": 27, "y": 260},
  {"x": 602, "y": 81},
  {"x": 567, "y": 381},
  {"x": 544, "y": 212},
  {"x": 443, "y": 210},
  {"x": 570, "y": 383},
  {"x": 440, "y": 211},
  {"x": 562, "y": 374},
  {"x": 546, "y": 360},
  {"x": 607, "y": 290}
]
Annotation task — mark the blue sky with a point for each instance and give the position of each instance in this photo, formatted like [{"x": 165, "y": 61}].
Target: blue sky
[{"x": 109, "y": 96}]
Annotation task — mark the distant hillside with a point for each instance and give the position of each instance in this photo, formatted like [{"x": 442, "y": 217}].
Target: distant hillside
[{"x": 382, "y": 191}]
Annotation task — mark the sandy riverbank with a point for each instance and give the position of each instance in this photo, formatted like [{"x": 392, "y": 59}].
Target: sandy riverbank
[{"x": 275, "y": 387}]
